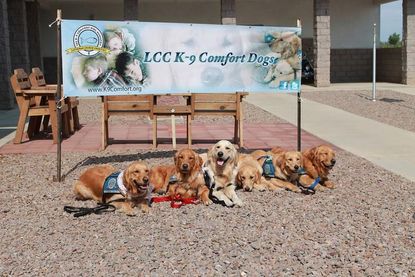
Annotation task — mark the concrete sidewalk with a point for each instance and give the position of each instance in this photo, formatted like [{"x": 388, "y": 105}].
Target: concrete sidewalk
[{"x": 389, "y": 147}]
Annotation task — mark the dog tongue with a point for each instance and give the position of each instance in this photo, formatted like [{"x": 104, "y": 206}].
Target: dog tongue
[{"x": 220, "y": 162}]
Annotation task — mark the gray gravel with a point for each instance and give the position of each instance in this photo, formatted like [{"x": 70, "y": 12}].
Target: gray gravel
[
  {"x": 392, "y": 108},
  {"x": 365, "y": 227}
]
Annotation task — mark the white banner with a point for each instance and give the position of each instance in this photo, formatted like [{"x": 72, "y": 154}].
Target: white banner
[{"x": 120, "y": 58}]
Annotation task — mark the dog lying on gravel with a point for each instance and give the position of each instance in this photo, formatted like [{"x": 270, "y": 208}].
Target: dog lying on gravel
[
  {"x": 286, "y": 165},
  {"x": 249, "y": 174},
  {"x": 126, "y": 190},
  {"x": 318, "y": 161},
  {"x": 160, "y": 177},
  {"x": 221, "y": 167},
  {"x": 190, "y": 180}
]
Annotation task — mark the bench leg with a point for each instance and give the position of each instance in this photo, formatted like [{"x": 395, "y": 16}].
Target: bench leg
[
  {"x": 155, "y": 131},
  {"x": 33, "y": 127},
  {"x": 241, "y": 132},
  {"x": 236, "y": 131},
  {"x": 70, "y": 117},
  {"x": 75, "y": 117},
  {"x": 53, "y": 118},
  {"x": 21, "y": 122},
  {"x": 104, "y": 133},
  {"x": 189, "y": 131}
]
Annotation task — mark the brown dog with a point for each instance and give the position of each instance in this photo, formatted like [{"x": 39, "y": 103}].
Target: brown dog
[
  {"x": 160, "y": 177},
  {"x": 318, "y": 161},
  {"x": 132, "y": 183},
  {"x": 190, "y": 180},
  {"x": 286, "y": 165}
]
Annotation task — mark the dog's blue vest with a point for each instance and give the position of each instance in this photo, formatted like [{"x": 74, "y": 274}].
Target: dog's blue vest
[
  {"x": 268, "y": 167},
  {"x": 111, "y": 185}
]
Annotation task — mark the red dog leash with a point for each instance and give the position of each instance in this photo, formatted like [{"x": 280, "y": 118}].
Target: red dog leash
[{"x": 175, "y": 202}]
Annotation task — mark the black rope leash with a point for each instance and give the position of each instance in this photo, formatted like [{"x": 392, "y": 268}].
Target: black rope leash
[{"x": 81, "y": 211}]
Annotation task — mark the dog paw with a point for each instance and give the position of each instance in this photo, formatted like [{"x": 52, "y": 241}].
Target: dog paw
[
  {"x": 296, "y": 189},
  {"x": 228, "y": 203},
  {"x": 131, "y": 213},
  {"x": 207, "y": 202},
  {"x": 238, "y": 203},
  {"x": 329, "y": 184}
]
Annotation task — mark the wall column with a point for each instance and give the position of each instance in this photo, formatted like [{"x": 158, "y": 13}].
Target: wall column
[
  {"x": 6, "y": 94},
  {"x": 130, "y": 9},
  {"x": 321, "y": 43},
  {"x": 408, "y": 42},
  {"x": 228, "y": 12},
  {"x": 32, "y": 11},
  {"x": 19, "y": 52}
]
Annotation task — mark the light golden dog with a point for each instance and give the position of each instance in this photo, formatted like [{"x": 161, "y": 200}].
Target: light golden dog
[
  {"x": 318, "y": 161},
  {"x": 190, "y": 180},
  {"x": 249, "y": 174},
  {"x": 133, "y": 183},
  {"x": 221, "y": 166},
  {"x": 286, "y": 165}
]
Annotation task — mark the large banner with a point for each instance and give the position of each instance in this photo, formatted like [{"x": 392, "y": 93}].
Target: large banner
[{"x": 129, "y": 57}]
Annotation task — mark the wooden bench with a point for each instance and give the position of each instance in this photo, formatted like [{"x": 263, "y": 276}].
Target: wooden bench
[
  {"x": 37, "y": 79},
  {"x": 221, "y": 104},
  {"x": 129, "y": 105},
  {"x": 173, "y": 110},
  {"x": 36, "y": 104}
]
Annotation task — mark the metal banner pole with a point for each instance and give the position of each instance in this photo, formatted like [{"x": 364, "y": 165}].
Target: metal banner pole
[
  {"x": 374, "y": 64},
  {"x": 299, "y": 121},
  {"x": 299, "y": 107},
  {"x": 58, "y": 98}
]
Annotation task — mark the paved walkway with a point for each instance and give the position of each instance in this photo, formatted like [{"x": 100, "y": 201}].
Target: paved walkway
[{"x": 389, "y": 147}]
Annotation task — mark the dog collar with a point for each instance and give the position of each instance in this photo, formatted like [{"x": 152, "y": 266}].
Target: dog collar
[{"x": 315, "y": 183}]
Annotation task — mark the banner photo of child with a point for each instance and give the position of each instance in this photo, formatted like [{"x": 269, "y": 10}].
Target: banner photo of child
[{"x": 121, "y": 58}]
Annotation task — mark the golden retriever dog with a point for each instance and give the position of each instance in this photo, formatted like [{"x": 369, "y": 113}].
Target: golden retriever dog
[
  {"x": 133, "y": 184},
  {"x": 160, "y": 177},
  {"x": 286, "y": 165},
  {"x": 221, "y": 166},
  {"x": 318, "y": 161},
  {"x": 190, "y": 179},
  {"x": 249, "y": 174}
]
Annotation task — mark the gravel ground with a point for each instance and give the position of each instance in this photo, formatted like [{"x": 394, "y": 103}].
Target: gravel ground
[
  {"x": 392, "y": 108},
  {"x": 364, "y": 227}
]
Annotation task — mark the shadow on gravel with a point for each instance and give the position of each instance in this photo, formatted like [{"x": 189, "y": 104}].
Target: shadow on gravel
[
  {"x": 391, "y": 100},
  {"x": 94, "y": 160}
]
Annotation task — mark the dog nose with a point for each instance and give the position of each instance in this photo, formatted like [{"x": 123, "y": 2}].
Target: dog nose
[
  {"x": 185, "y": 166},
  {"x": 145, "y": 180},
  {"x": 220, "y": 154},
  {"x": 333, "y": 161},
  {"x": 296, "y": 167}
]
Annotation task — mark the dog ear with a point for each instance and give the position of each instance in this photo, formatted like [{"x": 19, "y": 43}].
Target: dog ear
[
  {"x": 199, "y": 160},
  {"x": 301, "y": 160},
  {"x": 258, "y": 177},
  {"x": 127, "y": 177}
]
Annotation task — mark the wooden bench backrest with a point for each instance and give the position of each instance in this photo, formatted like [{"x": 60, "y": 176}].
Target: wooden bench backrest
[
  {"x": 127, "y": 104},
  {"x": 216, "y": 103},
  {"x": 37, "y": 78},
  {"x": 20, "y": 81}
]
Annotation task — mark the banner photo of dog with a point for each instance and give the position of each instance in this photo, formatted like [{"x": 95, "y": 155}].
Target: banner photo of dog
[{"x": 125, "y": 57}]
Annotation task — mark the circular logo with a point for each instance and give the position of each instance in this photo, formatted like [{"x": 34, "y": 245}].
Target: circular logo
[
  {"x": 112, "y": 183},
  {"x": 88, "y": 39}
]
